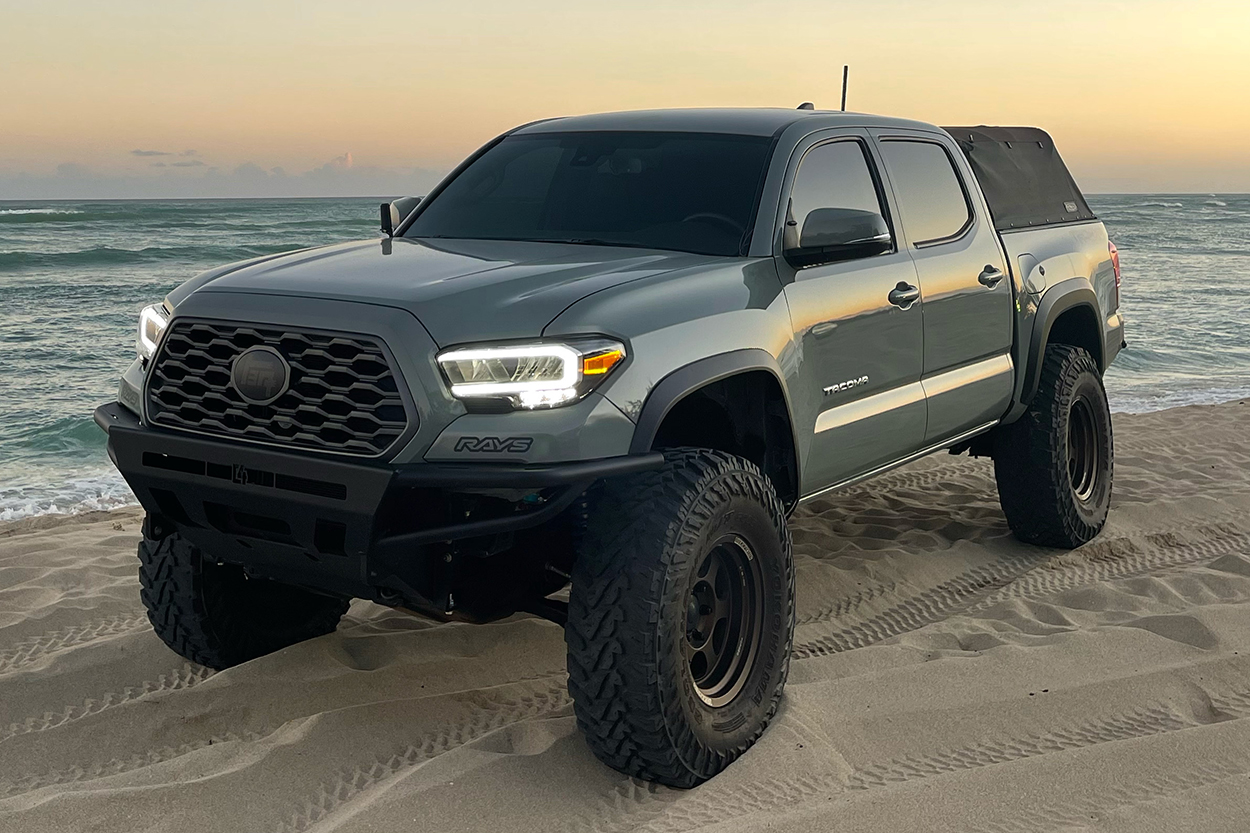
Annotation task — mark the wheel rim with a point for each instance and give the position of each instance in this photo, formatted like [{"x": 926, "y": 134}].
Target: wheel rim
[
  {"x": 1083, "y": 452},
  {"x": 724, "y": 617}
]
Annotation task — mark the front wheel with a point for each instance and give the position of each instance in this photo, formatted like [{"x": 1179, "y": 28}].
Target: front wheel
[
  {"x": 1054, "y": 464},
  {"x": 218, "y": 616},
  {"x": 681, "y": 616}
]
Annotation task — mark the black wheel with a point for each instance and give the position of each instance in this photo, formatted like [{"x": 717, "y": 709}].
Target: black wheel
[
  {"x": 1054, "y": 464},
  {"x": 681, "y": 617},
  {"x": 214, "y": 614}
]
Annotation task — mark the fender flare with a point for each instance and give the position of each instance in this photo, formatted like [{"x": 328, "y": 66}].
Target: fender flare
[
  {"x": 687, "y": 379},
  {"x": 1064, "y": 296}
]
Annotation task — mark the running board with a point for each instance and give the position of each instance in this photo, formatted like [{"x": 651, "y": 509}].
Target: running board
[{"x": 910, "y": 458}]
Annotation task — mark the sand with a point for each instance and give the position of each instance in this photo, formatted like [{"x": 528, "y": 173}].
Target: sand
[{"x": 946, "y": 677}]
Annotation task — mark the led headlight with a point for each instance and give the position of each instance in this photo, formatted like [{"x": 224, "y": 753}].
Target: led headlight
[
  {"x": 152, "y": 322},
  {"x": 529, "y": 376}
]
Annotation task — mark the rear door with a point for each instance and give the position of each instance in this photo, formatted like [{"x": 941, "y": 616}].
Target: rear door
[
  {"x": 967, "y": 297},
  {"x": 860, "y": 355}
]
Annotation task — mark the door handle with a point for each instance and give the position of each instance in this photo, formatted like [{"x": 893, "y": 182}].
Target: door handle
[
  {"x": 990, "y": 276},
  {"x": 904, "y": 295}
]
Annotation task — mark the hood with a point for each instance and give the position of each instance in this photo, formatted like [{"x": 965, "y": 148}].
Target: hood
[{"x": 461, "y": 291}]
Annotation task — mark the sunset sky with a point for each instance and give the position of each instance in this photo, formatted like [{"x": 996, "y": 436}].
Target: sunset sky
[{"x": 230, "y": 98}]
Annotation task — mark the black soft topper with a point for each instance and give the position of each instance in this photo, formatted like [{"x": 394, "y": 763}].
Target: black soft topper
[{"x": 1025, "y": 181}]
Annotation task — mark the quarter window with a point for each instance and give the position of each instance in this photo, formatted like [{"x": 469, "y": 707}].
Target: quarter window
[
  {"x": 928, "y": 189},
  {"x": 833, "y": 175}
]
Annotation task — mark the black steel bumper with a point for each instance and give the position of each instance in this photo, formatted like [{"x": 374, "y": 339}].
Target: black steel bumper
[{"x": 348, "y": 527}]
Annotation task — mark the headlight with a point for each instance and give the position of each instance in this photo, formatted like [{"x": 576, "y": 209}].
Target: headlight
[
  {"x": 152, "y": 322},
  {"x": 531, "y": 375}
]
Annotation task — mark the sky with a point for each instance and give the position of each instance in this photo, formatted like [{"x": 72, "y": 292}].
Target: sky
[{"x": 137, "y": 98}]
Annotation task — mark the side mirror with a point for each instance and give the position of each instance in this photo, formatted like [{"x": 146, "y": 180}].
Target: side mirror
[
  {"x": 394, "y": 213},
  {"x": 835, "y": 234}
]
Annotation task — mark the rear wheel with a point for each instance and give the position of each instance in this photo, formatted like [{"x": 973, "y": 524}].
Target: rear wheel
[
  {"x": 1054, "y": 464},
  {"x": 681, "y": 616},
  {"x": 214, "y": 614}
]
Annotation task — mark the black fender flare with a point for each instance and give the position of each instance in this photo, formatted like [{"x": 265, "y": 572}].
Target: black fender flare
[
  {"x": 1064, "y": 296},
  {"x": 689, "y": 378}
]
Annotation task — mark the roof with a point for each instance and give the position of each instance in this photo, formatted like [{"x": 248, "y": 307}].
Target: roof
[{"x": 742, "y": 121}]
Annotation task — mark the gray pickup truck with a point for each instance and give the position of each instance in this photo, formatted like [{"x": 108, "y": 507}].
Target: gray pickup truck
[{"x": 612, "y": 353}]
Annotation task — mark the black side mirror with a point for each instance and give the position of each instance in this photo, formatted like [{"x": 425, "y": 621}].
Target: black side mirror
[
  {"x": 394, "y": 213},
  {"x": 835, "y": 234}
]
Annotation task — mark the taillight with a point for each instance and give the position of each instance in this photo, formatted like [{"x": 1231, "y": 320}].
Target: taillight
[{"x": 1115, "y": 264}]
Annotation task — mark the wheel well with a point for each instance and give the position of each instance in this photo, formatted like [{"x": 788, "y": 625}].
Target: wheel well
[
  {"x": 745, "y": 414},
  {"x": 1078, "y": 327}
]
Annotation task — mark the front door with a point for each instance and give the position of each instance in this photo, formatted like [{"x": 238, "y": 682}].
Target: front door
[
  {"x": 860, "y": 352},
  {"x": 968, "y": 303}
]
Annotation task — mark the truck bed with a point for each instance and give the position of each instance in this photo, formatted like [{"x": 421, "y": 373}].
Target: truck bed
[{"x": 1048, "y": 232}]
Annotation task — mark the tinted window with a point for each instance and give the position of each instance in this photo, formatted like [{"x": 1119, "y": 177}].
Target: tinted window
[
  {"x": 834, "y": 175},
  {"x": 927, "y": 188},
  {"x": 685, "y": 191}
]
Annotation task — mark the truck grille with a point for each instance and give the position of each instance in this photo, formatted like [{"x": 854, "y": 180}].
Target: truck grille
[{"x": 343, "y": 395}]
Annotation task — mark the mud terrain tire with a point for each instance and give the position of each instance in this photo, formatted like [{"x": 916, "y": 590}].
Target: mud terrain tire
[
  {"x": 1054, "y": 464},
  {"x": 215, "y": 615},
  {"x": 681, "y": 617}
]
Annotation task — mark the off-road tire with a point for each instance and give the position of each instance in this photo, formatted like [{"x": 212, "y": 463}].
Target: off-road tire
[
  {"x": 1049, "y": 499},
  {"x": 214, "y": 614},
  {"x": 632, "y": 682}
]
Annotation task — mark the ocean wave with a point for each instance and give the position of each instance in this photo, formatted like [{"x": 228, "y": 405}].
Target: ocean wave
[
  {"x": 19, "y": 212},
  {"x": 67, "y": 434},
  {"x": 1142, "y": 402},
  {"x": 65, "y": 493},
  {"x": 1217, "y": 203},
  {"x": 110, "y": 256},
  {"x": 1161, "y": 204}
]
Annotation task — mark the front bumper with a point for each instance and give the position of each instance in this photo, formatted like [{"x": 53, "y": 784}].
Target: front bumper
[{"x": 345, "y": 527}]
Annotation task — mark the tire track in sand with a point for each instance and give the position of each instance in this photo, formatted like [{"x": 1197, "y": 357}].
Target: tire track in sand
[
  {"x": 914, "y": 612},
  {"x": 36, "y": 648},
  {"x": 1076, "y": 814},
  {"x": 117, "y": 766},
  {"x": 185, "y": 677},
  {"x": 1020, "y": 577},
  {"x": 492, "y": 712},
  {"x": 709, "y": 807},
  {"x": 1154, "y": 719},
  {"x": 1126, "y": 557}
]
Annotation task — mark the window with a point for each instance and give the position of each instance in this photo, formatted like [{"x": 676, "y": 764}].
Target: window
[
  {"x": 929, "y": 193},
  {"x": 690, "y": 192},
  {"x": 833, "y": 175}
]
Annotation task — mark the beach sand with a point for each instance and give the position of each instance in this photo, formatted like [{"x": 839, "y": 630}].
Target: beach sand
[{"x": 945, "y": 677}]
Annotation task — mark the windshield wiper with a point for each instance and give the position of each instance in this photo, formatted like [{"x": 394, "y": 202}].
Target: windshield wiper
[{"x": 588, "y": 241}]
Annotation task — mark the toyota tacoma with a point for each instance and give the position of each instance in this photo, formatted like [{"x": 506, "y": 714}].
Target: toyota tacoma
[{"x": 590, "y": 375}]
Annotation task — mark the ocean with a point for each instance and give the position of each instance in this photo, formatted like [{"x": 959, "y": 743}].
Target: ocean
[{"x": 73, "y": 276}]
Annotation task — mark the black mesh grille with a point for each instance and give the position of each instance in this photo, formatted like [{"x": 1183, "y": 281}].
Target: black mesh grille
[{"x": 343, "y": 395}]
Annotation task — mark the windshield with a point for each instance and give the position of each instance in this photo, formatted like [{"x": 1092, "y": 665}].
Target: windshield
[{"x": 689, "y": 192}]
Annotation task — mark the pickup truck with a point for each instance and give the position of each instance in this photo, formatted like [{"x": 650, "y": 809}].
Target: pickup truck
[{"x": 591, "y": 374}]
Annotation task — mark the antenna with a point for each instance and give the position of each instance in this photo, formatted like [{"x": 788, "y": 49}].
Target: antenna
[{"x": 846, "y": 71}]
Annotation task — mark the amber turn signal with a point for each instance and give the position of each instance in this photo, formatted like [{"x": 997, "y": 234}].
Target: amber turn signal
[{"x": 601, "y": 363}]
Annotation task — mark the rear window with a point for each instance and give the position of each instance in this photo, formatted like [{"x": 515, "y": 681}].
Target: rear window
[
  {"x": 928, "y": 189},
  {"x": 684, "y": 191}
]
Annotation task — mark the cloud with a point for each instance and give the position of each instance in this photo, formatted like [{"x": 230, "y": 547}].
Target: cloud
[
  {"x": 188, "y": 163},
  {"x": 159, "y": 164},
  {"x": 339, "y": 162},
  {"x": 190, "y": 153},
  {"x": 150, "y": 153}
]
